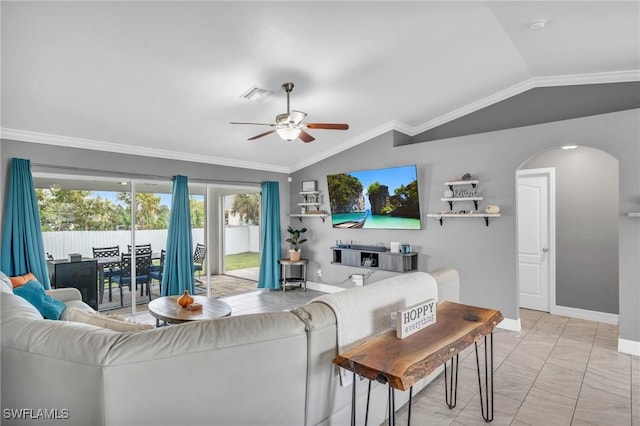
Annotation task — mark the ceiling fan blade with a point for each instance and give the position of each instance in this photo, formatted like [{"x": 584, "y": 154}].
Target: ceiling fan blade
[
  {"x": 329, "y": 126},
  {"x": 257, "y": 124},
  {"x": 306, "y": 137},
  {"x": 261, "y": 135},
  {"x": 296, "y": 117}
]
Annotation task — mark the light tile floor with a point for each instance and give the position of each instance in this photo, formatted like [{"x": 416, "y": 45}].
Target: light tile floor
[
  {"x": 221, "y": 286},
  {"x": 246, "y": 302},
  {"x": 556, "y": 371}
]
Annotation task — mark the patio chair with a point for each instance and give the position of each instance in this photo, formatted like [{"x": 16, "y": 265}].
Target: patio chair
[
  {"x": 140, "y": 248},
  {"x": 155, "y": 272},
  {"x": 198, "y": 258},
  {"x": 123, "y": 278},
  {"x": 106, "y": 269}
]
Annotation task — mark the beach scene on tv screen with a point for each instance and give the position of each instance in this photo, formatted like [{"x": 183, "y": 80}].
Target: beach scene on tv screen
[{"x": 380, "y": 198}]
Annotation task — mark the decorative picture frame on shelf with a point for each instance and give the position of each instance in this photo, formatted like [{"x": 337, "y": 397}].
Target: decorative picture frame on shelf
[{"x": 308, "y": 185}]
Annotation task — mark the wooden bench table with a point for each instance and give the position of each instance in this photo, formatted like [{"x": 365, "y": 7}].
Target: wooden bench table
[{"x": 400, "y": 363}]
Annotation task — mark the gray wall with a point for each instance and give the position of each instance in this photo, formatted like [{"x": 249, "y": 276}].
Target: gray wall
[
  {"x": 586, "y": 227},
  {"x": 485, "y": 256}
]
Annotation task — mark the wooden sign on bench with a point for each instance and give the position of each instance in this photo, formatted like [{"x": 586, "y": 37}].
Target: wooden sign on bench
[{"x": 415, "y": 318}]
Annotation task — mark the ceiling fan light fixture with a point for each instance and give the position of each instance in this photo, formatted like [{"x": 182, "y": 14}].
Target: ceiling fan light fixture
[
  {"x": 289, "y": 125},
  {"x": 289, "y": 133}
]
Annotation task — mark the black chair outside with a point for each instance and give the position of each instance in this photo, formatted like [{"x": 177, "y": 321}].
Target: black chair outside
[
  {"x": 140, "y": 248},
  {"x": 198, "y": 258},
  {"x": 107, "y": 269},
  {"x": 123, "y": 278},
  {"x": 155, "y": 271}
]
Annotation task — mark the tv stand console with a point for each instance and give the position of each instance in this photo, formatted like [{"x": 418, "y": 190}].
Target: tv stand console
[{"x": 375, "y": 259}]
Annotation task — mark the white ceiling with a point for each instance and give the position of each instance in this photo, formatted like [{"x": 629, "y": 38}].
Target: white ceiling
[{"x": 164, "y": 78}]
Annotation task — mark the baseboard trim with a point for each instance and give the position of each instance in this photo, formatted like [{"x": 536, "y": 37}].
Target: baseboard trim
[
  {"x": 630, "y": 347},
  {"x": 625, "y": 346},
  {"x": 585, "y": 314},
  {"x": 325, "y": 288},
  {"x": 510, "y": 324}
]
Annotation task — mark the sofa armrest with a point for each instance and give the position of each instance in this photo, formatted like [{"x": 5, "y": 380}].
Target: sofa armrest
[{"x": 65, "y": 294}]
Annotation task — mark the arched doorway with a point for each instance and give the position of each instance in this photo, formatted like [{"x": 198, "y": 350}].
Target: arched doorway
[{"x": 586, "y": 231}]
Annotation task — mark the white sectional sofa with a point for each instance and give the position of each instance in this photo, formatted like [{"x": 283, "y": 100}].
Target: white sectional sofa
[{"x": 258, "y": 369}]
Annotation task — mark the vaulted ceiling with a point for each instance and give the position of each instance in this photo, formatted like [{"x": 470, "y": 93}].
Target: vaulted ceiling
[{"x": 164, "y": 79}]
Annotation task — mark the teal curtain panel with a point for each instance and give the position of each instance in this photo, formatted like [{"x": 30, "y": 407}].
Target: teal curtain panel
[
  {"x": 178, "y": 273},
  {"x": 270, "y": 236},
  {"x": 22, "y": 245}
]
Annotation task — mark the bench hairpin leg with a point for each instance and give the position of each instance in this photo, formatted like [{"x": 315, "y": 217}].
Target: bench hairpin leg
[
  {"x": 451, "y": 385},
  {"x": 392, "y": 406},
  {"x": 366, "y": 413},
  {"x": 486, "y": 404},
  {"x": 410, "y": 401},
  {"x": 353, "y": 401}
]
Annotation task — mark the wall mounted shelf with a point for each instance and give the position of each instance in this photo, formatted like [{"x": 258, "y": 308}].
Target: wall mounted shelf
[
  {"x": 310, "y": 199},
  {"x": 461, "y": 195},
  {"x": 633, "y": 214},
  {"x": 453, "y": 200},
  {"x": 301, "y": 215},
  {"x": 451, "y": 184},
  {"x": 375, "y": 259},
  {"x": 442, "y": 216}
]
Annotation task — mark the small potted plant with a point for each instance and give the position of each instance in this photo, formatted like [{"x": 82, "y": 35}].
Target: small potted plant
[{"x": 295, "y": 240}]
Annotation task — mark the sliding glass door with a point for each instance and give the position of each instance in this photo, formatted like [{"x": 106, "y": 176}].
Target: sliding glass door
[
  {"x": 242, "y": 235},
  {"x": 92, "y": 217}
]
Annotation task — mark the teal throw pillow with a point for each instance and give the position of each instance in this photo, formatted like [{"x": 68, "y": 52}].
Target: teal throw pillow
[{"x": 34, "y": 293}]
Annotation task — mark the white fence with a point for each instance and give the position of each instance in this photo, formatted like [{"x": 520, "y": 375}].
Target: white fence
[
  {"x": 60, "y": 244},
  {"x": 241, "y": 239}
]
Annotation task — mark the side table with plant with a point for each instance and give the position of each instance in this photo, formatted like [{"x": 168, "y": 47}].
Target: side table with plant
[{"x": 296, "y": 241}]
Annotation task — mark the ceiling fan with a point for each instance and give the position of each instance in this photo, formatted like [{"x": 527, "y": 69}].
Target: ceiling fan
[{"x": 290, "y": 126}]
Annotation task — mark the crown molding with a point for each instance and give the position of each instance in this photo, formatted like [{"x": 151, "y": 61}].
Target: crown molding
[
  {"x": 350, "y": 143},
  {"x": 532, "y": 83},
  {"x": 547, "y": 81},
  {"x": 72, "y": 142},
  {"x": 579, "y": 79},
  {"x": 473, "y": 107}
]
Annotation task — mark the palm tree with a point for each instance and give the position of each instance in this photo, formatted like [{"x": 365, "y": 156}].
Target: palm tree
[{"x": 247, "y": 206}]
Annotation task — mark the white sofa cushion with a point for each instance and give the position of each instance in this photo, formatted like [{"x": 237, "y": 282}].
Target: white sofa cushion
[
  {"x": 5, "y": 283},
  {"x": 74, "y": 304},
  {"x": 99, "y": 320},
  {"x": 15, "y": 306}
]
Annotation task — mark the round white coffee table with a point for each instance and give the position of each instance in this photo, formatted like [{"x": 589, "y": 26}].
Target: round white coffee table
[{"x": 167, "y": 309}]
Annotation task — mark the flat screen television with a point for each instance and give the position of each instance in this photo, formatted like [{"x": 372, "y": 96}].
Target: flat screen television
[{"x": 375, "y": 199}]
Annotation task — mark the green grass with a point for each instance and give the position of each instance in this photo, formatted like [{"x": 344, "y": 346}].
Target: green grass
[{"x": 241, "y": 261}]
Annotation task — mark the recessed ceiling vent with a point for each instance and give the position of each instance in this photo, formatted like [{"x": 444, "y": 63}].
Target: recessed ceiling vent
[{"x": 256, "y": 94}]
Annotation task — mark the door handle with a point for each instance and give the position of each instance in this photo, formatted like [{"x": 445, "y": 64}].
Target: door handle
[{"x": 545, "y": 249}]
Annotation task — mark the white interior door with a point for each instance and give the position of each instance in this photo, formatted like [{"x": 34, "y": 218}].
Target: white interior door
[{"x": 536, "y": 224}]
